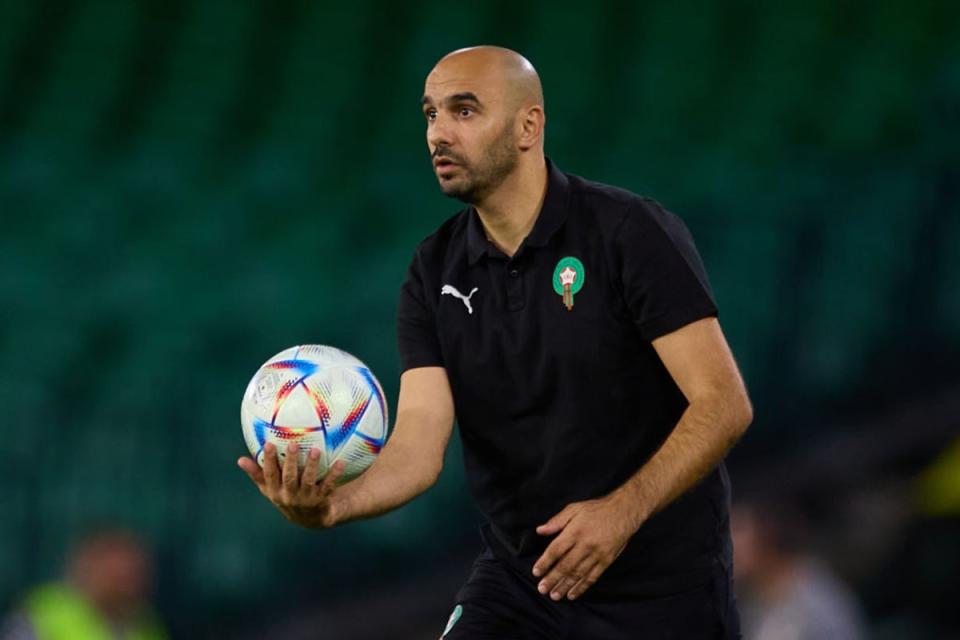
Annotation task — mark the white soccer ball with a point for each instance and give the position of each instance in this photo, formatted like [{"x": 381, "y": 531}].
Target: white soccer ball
[{"x": 316, "y": 396}]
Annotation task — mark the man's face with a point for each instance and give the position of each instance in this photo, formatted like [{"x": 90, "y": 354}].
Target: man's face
[{"x": 470, "y": 130}]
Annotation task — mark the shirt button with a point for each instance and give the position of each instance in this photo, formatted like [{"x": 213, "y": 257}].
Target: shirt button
[{"x": 514, "y": 273}]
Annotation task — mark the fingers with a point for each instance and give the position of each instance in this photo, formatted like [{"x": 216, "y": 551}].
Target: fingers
[
  {"x": 569, "y": 579},
  {"x": 330, "y": 481},
  {"x": 253, "y": 471},
  {"x": 556, "y": 581},
  {"x": 576, "y": 568},
  {"x": 588, "y": 581},
  {"x": 271, "y": 469},
  {"x": 557, "y": 522},
  {"x": 291, "y": 474},
  {"x": 293, "y": 492},
  {"x": 560, "y": 589},
  {"x": 556, "y": 550},
  {"x": 310, "y": 471}
]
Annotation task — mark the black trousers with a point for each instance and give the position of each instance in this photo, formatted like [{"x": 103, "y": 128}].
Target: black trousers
[{"x": 497, "y": 604}]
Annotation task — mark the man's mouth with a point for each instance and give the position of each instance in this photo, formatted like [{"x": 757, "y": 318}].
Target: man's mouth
[{"x": 444, "y": 165}]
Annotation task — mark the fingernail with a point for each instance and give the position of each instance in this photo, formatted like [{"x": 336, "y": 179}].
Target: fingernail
[
  {"x": 572, "y": 596},
  {"x": 314, "y": 454},
  {"x": 292, "y": 447},
  {"x": 542, "y": 588},
  {"x": 555, "y": 596},
  {"x": 536, "y": 572}
]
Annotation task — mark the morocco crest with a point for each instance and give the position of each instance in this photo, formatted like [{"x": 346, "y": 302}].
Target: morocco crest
[{"x": 568, "y": 279}]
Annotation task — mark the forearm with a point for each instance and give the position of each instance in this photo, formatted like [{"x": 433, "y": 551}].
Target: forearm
[
  {"x": 706, "y": 431},
  {"x": 402, "y": 471}
]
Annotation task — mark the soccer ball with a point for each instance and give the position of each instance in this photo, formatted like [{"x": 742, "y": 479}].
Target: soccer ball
[{"x": 316, "y": 396}]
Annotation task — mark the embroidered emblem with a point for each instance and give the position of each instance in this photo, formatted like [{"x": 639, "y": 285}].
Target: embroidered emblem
[
  {"x": 568, "y": 279},
  {"x": 457, "y": 612},
  {"x": 451, "y": 290}
]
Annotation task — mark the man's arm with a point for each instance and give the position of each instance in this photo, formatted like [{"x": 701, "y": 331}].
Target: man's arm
[
  {"x": 593, "y": 533},
  {"x": 700, "y": 362},
  {"x": 408, "y": 465}
]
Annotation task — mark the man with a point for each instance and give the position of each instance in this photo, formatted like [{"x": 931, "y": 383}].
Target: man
[
  {"x": 570, "y": 328},
  {"x": 787, "y": 591},
  {"x": 105, "y": 596}
]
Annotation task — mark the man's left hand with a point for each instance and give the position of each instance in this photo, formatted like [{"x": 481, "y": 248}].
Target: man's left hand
[{"x": 592, "y": 534}]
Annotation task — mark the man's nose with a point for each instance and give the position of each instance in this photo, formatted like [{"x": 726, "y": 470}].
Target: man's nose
[{"x": 439, "y": 134}]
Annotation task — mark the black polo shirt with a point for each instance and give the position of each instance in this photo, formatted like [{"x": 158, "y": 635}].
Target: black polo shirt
[{"x": 559, "y": 394}]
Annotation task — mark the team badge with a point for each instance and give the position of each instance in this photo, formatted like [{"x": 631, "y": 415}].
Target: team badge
[
  {"x": 457, "y": 612},
  {"x": 568, "y": 279}
]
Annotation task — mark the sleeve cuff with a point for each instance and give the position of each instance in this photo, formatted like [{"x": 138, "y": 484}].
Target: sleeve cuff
[{"x": 676, "y": 319}]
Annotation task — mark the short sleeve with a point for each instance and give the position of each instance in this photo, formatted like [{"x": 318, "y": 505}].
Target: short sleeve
[
  {"x": 665, "y": 284},
  {"x": 417, "y": 339}
]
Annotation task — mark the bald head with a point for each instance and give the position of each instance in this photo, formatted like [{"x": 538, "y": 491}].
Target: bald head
[
  {"x": 500, "y": 69},
  {"x": 485, "y": 120}
]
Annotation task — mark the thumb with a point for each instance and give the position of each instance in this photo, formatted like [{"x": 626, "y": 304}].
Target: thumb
[
  {"x": 252, "y": 469},
  {"x": 557, "y": 522}
]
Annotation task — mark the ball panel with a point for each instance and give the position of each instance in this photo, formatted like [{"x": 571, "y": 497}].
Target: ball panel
[
  {"x": 297, "y": 409},
  {"x": 354, "y": 408},
  {"x": 324, "y": 355},
  {"x": 376, "y": 429},
  {"x": 358, "y": 454}
]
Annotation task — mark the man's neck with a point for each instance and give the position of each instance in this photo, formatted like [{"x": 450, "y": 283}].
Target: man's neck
[{"x": 509, "y": 214}]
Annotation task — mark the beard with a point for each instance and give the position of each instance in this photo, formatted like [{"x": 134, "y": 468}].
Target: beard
[{"x": 477, "y": 180}]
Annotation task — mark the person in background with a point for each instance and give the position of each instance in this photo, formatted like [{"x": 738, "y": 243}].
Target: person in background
[
  {"x": 784, "y": 591},
  {"x": 104, "y": 596}
]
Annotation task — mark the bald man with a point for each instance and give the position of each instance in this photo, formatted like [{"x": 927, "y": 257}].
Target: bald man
[{"x": 570, "y": 328}]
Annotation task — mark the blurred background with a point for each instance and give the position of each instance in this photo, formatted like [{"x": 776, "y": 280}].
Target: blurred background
[{"x": 186, "y": 188}]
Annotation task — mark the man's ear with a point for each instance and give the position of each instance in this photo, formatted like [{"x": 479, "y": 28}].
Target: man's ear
[{"x": 531, "y": 123}]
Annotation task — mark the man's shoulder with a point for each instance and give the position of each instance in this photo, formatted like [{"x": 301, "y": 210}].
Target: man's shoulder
[{"x": 609, "y": 206}]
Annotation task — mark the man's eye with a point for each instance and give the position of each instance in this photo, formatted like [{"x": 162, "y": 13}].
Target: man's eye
[
  {"x": 431, "y": 114},
  {"x": 465, "y": 112}
]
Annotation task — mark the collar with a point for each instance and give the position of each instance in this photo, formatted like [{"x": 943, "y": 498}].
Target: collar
[{"x": 552, "y": 215}]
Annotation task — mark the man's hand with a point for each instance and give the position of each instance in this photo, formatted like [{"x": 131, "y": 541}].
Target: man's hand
[
  {"x": 592, "y": 534},
  {"x": 298, "y": 497}
]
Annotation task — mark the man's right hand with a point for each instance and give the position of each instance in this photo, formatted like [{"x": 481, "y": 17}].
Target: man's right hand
[{"x": 297, "y": 496}]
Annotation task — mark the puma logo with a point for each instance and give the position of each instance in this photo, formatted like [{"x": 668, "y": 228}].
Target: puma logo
[{"x": 450, "y": 289}]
